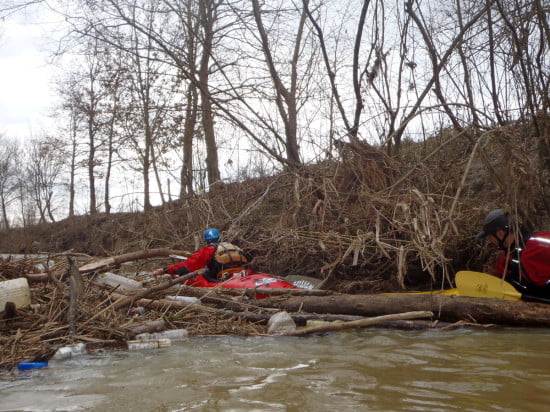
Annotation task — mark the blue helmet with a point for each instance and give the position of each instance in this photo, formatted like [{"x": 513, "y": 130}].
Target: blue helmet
[{"x": 211, "y": 235}]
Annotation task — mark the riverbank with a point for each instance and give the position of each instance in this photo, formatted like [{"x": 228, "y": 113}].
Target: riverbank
[{"x": 361, "y": 224}]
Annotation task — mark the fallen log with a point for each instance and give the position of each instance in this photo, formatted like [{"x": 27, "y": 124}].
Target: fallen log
[
  {"x": 231, "y": 308},
  {"x": 361, "y": 323},
  {"x": 105, "y": 263},
  {"x": 445, "y": 308},
  {"x": 259, "y": 318}
]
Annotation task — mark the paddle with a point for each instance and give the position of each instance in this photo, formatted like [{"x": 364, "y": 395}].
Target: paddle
[
  {"x": 480, "y": 285},
  {"x": 483, "y": 285}
]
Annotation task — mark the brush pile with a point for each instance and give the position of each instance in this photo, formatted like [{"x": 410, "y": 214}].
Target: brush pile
[
  {"x": 64, "y": 312},
  {"x": 361, "y": 223}
]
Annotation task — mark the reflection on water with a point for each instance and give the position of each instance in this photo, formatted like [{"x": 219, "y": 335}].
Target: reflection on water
[{"x": 374, "y": 369}]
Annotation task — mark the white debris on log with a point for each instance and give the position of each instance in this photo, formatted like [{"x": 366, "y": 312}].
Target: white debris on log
[{"x": 280, "y": 323}]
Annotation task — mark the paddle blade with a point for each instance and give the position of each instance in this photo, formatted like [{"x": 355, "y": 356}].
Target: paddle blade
[{"x": 483, "y": 285}]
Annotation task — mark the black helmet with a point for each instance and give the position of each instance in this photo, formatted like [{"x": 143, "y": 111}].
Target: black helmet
[{"x": 498, "y": 219}]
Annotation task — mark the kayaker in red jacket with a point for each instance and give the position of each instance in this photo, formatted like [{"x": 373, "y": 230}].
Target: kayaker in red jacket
[
  {"x": 219, "y": 258},
  {"x": 525, "y": 258}
]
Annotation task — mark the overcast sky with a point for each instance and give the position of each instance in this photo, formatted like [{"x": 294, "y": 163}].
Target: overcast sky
[{"x": 26, "y": 92}]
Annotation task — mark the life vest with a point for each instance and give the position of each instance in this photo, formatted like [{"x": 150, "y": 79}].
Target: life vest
[{"x": 226, "y": 258}]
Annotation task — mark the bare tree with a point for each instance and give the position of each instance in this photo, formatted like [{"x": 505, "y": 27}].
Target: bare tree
[
  {"x": 44, "y": 166},
  {"x": 9, "y": 172},
  {"x": 438, "y": 61},
  {"x": 285, "y": 97},
  {"x": 86, "y": 98},
  {"x": 73, "y": 151},
  {"x": 208, "y": 11},
  {"x": 91, "y": 97},
  {"x": 113, "y": 81},
  {"x": 180, "y": 31},
  {"x": 351, "y": 127},
  {"x": 68, "y": 89},
  {"x": 528, "y": 33},
  {"x": 148, "y": 108},
  {"x": 192, "y": 99},
  {"x": 251, "y": 68}
]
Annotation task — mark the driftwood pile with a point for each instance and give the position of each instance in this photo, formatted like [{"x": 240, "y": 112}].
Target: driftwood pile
[{"x": 70, "y": 306}]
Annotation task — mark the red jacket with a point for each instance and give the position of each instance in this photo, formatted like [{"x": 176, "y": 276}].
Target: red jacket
[
  {"x": 217, "y": 258},
  {"x": 196, "y": 261},
  {"x": 534, "y": 260}
]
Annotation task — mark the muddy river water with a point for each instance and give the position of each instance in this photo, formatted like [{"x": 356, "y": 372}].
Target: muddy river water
[{"x": 370, "y": 369}]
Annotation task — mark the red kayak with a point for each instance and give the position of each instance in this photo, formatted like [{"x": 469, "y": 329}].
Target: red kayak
[{"x": 244, "y": 279}]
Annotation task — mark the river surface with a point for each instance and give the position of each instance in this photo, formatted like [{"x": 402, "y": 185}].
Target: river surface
[{"x": 370, "y": 369}]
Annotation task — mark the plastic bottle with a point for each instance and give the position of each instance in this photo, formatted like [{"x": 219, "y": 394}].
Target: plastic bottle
[
  {"x": 148, "y": 344},
  {"x": 70, "y": 351},
  {"x": 187, "y": 299},
  {"x": 116, "y": 281},
  {"x": 173, "y": 334},
  {"x": 16, "y": 291}
]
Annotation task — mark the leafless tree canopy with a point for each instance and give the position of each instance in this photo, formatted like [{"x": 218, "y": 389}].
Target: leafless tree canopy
[{"x": 390, "y": 119}]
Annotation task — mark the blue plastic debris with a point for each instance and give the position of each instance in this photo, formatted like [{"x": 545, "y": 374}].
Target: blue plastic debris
[{"x": 23, "y": 366}]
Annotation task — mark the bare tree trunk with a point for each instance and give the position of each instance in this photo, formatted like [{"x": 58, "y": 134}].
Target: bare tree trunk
[
  {"x": 492, "y": 65},
  {"x": 521, "y": 55},
  {"x": 49, "y": 207},
  {"x": 467, "y": 77},
  {"x": 9, "y": 170},
  {"x": 541, "y": 57},
  {"x": 192, "y": 99},
  {"x": 91, "y": 164},
  {"x": 207, "y": 12},
  {"x": 188, "y": 132},
  {"x": 89, "y": 109},
  {"x": 356, "y": 77},
  {"x": 108, "y": 170},
  {"x": 285, "y": 99},
  {"x": 147, "y": 165},
  {"x": 154, "y": 165},
  {"x": 72, "y": 171},
  {"x": 111, "y": 135},
  {"x": 4, "y": 212}
]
